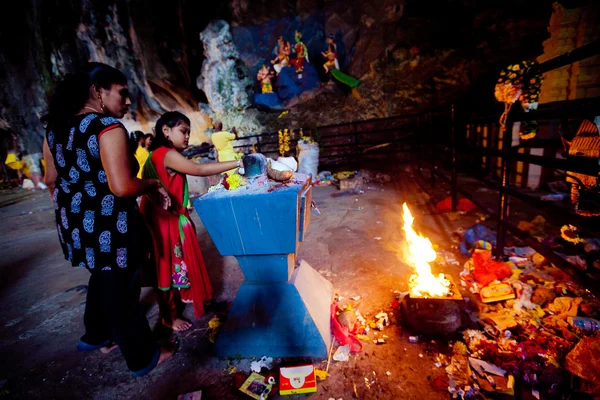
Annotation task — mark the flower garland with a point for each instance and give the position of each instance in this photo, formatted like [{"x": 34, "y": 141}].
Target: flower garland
[
  {"x": 571, "y": 234},
  {"x": 523, "y": 82},
  {"x": 284, "y": 141}
]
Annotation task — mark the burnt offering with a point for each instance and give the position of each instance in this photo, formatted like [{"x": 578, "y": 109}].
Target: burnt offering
[{"x": 432, "y": 305}]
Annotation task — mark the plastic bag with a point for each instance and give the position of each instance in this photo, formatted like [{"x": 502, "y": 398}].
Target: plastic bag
[
  {"x": 341, "y": 333},
  {"x": 308, "y": 158}
]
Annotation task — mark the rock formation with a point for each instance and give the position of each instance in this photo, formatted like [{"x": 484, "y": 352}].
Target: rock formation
[{"x": 224, "y": 77}]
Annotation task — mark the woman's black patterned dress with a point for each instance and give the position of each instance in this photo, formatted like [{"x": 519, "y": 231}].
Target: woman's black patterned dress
[
  {"x": 96, "y": 228},
  {"x": 105, "y": 234}
]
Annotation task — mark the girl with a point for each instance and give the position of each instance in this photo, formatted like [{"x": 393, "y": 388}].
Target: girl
[
  {"x": 90, "y": 174},
  {"x": 180, "y": 264}
]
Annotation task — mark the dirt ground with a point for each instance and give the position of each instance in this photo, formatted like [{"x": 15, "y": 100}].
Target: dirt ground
[{"x": 353, "y": 243}]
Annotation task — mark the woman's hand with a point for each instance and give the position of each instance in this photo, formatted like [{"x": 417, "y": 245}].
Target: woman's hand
[
  {"x": 158, "y": 194},
  {"x": 164, "y": 198}
]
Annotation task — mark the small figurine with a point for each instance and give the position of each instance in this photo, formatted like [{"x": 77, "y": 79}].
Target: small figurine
[
  {"x": 331, "y": 55},
  {"x": 332, "y": 66},
  {"x": 301, "y": 52},
  {"x": 283, "y": 55},
  {"x": 264, "y": 76}
]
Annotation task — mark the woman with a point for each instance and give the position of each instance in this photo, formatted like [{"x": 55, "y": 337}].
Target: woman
[
  {"x": 179, "y": 261},
  {"x": 143, "y": 142},
  {"x": 90, "y": 173}
]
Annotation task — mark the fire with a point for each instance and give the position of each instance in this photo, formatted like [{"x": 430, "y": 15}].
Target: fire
[{"x": 420, "y": 253}]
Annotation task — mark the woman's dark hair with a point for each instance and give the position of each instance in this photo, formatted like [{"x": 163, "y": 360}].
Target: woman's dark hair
[
  {"x": 137, "y": 135},
  {"x": 134, "y": 139},
  {"x": 73, "y": 91},
  {"x": 170, "y": 119}
]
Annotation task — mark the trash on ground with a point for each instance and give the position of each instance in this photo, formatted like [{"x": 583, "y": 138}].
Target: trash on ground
[
  {"x": 497, "y": 292},
  {"x": 474, "y": 234},
  {"x": 256, "y": 386},
  {"x": 342, "y": 353},
  {"x": 197, "y": 395},
  {"x": 554, "y": 197},
  {"x": 321, "y": 374},
  {"x": 264, "y": 362},
  {"x": 297, "y": 380}
]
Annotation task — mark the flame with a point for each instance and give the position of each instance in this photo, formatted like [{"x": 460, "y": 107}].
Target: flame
[{"x": 420, "y": 253}]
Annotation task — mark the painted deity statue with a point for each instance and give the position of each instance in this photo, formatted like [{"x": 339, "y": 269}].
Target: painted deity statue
[
  {"x": 264, "y": 76},
  {"x": 301, "y": 52},
  {"x": 283, "y": 55},
  {"x": 330, "y": 55}
]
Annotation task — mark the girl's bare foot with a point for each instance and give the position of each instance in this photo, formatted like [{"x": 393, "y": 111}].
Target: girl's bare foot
[
  {"x": 108, "y": 349},
  {"x": 178, "y": 325}
]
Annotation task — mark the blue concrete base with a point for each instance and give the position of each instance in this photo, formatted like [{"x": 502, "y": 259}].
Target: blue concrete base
[{"x": 288, "y": 319}]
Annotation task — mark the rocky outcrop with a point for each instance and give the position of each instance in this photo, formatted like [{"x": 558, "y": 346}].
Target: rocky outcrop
[
  {"x": 43, "y": 41},
  {"x": 224, "y": 79}
]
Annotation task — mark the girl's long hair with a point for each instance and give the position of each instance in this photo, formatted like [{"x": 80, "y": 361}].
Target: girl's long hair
[
  {"x": 170, "y": 119},
  {"x": 73, "y": 91}
]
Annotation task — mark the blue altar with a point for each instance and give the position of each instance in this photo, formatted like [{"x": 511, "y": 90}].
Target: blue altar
[{"x": 281, "y": 309}]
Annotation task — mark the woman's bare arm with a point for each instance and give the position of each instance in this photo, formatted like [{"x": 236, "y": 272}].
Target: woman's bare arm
[
  {"x": 50, "y": 173},
  {"x": 115, "y": 157}
]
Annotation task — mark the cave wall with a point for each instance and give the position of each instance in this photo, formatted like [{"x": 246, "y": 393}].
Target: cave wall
[
  {"x": 155, "y": 43},
  {"x": 410, "y": 55}
]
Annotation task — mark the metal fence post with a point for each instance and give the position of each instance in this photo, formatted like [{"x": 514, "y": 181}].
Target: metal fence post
[
  {"x": 258, "y": 149},
  {"x": 504, "y": 197},
  {"x": 418, "y": 143},
  {"x": 454, "y": 173},
  {"x": 431, "y": 149}
]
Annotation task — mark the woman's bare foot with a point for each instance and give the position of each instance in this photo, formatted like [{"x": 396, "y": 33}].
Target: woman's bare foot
[
  {"x": 166, "y": 352},
  {"x": 108, "y": 349},
  {"x": 178, "y": 325}
]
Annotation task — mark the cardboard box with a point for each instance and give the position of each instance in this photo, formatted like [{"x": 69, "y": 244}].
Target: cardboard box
[
  {"x": 296, "y": 380},
  {"x": 497, "y": 292}
]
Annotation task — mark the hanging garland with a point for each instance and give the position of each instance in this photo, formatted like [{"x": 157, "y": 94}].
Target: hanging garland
[
  {"x": 284, "y": 141},
  {"x": 523, "y": 82}
]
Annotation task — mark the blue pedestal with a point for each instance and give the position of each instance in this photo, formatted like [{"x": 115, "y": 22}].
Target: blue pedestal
[
  {"x": 268, "y": 100},
  {"x": 280, "y": 310},
  {"x": 288, "y": 85}
]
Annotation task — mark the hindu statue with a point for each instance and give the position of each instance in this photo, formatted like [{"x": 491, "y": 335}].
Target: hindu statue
[
  {"x": 264, "y": 76},
  {"x": 301, "y": 52},
  {"x": 331, "y": 55},
  {"x": 283, "y": 55}
]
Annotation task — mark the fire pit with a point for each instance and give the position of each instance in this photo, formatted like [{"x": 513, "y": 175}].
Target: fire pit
[
  {"x": 433, "y": 315},
  {"x": 432, "y": 305}
]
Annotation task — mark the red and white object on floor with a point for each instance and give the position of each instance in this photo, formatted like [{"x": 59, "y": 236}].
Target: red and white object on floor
[{"x": 296, "y": 380}]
